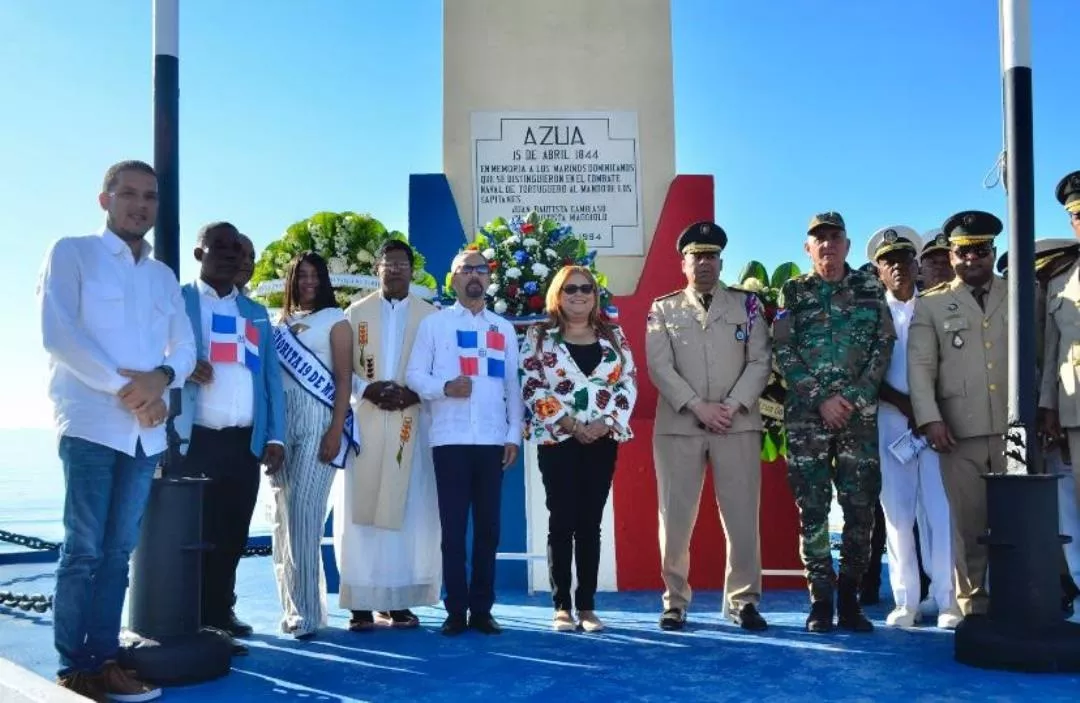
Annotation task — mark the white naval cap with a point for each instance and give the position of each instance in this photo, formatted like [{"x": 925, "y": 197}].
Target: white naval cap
[{"x": 892, "y": 238}]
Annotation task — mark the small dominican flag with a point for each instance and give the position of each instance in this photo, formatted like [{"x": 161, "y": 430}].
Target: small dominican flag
[
  {"x": 234, "y": 340},
  {"x": 482, "y": 355}
]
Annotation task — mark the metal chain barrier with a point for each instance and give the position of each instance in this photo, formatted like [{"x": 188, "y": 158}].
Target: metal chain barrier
[
  {"x": 29, "y": 542},
  {"x": 40, "y": 603}
]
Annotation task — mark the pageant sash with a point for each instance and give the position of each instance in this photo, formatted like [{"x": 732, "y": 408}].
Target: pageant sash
[{"x": 312, "y": 375}]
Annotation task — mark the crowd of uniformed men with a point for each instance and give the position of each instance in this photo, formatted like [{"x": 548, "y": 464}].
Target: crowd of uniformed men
[{"x": 896, "y": 375}]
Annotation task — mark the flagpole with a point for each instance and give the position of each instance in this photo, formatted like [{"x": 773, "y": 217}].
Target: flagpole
[
  {"x": 165, "y": 642},
  {"x": 1024, "y": 628},
  {"x": 167, "y": 131},
  {"x": 1020, "y": 192}
]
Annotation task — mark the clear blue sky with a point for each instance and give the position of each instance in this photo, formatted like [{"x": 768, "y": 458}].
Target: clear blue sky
[{"x": 886, "y": 110}]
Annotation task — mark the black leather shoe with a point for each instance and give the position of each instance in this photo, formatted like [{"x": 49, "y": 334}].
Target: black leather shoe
[
  {"x": 239, "y": 650},
  {"x": 749, "y": 618},
  {"x": 454, "y": 624},
  {"x": 235, "y": 627},
  {"x": 821, "y": 616},
  {"x": 673, "y": 619},
  {"x": 485, "y": 623}
]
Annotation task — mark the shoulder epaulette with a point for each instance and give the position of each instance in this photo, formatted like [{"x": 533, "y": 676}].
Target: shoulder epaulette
[
  {"x": 936, "y": 289},
  {"x": 665, "y": 296}
]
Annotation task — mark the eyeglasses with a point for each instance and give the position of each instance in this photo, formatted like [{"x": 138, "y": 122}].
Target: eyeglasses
[
  {"x": 478, "y": 269},
  {"x": 979, "y": 251},
  {"x": 574, "y": 289},
  {"x": 395, "y": 265}
]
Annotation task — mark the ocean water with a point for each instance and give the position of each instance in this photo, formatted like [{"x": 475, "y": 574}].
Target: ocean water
[{"x": 32, "y": 487}]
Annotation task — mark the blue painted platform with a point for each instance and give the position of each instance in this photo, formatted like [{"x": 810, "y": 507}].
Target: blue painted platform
[{"x": 632, "y": 661}]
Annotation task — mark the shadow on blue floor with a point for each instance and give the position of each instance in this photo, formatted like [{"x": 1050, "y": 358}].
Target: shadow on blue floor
[{"x": 631, "y": 661}]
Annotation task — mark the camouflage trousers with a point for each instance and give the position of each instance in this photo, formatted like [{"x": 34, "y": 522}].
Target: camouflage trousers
[{"x": 818, "y": 458}]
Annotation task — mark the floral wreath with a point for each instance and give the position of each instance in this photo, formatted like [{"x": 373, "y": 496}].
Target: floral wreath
[
  {"x": 755, "y": 279},
  {"x": 348, "y": 242},
  {"x": 524, "y": 254}
]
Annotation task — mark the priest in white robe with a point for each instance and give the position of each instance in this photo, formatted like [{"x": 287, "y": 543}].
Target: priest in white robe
[{"x": 386, "y": 515}]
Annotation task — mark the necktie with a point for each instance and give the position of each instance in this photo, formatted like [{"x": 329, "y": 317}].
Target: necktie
[
  {"x": 980, "y": 297},
  {"x": 706, "y": 300}
]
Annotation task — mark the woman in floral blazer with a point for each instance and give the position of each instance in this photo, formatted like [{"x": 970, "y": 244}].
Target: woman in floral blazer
[{"x": 579, "y": 387}]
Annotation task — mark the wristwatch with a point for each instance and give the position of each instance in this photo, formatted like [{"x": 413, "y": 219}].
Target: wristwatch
[
  {"x": 170, "y": 374},
  {"x": 609, "y": 421}
]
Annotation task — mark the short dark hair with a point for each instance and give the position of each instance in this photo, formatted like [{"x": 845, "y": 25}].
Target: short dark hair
[
  {"x": 113, "y": 174},
  {"x": 396, "y": 245},
  {"x": 324, "y": 297},
  {"x": 209, "y": 227}
]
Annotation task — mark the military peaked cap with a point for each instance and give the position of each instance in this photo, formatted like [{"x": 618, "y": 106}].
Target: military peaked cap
[
  {"x": 935, "y": 240},
  {"x": 1068, "y": 192},
  {"x": 1046, "y": 252},
  {"x": 892, "y": 238},
  {"x": 702, "y": 238},
  {"x": 972, "y": 227}
]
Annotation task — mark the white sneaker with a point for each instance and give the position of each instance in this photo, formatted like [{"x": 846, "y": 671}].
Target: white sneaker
[
  {"x": 928, "y": 608},
  {"x": 949, "y": 618},
  {"x": 563, "y": 621},
  {"x": 903, "y": 617}
]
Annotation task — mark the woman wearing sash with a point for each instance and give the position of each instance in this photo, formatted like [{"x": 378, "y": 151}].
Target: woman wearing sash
[
  {"x": 579, "y": 386},
  {"x": 314, "y": 344}
]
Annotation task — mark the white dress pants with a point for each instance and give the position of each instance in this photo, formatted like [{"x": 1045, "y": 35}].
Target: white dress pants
[
  {"x": 905, "y": 489},
  {"x": 1068, "y": 514}
]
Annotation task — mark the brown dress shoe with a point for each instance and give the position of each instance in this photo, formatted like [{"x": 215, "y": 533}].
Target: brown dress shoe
[
  {"x": 121, "y": 685},
  {"x": 84, "y": 684}
]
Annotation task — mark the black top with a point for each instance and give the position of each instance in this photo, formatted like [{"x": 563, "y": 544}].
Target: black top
[{"x": 586, "y": 356}]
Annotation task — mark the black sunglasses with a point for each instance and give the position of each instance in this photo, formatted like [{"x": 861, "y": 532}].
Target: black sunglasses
[
  {"x": 979, "y": 251},
  {"x": 574, "y": 289}
]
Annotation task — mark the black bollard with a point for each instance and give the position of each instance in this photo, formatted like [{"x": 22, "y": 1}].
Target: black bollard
[
  {"x": 1025, "y": 629},
  {"x": 164, "y": 643}
]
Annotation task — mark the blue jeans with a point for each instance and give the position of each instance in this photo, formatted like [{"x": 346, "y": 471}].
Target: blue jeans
[{"x": 105, "y": 493}]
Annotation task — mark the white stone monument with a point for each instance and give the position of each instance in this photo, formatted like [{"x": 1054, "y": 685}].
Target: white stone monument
[{"x": 567, "y": 107}]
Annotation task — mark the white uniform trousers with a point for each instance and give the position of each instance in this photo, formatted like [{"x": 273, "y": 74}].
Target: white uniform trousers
[
  {"x": 301, "y": 496},
  {"x": 905, "y": 488},
  {"x": 1068, "y": 514}
]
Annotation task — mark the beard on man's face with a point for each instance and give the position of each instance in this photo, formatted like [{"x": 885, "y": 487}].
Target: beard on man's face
[{"x": 473, "y": 289}]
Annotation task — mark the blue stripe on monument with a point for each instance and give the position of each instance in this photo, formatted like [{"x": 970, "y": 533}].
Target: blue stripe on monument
[{"x": 435, "y": 231}]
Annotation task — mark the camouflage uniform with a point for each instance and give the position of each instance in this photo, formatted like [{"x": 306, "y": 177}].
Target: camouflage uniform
[{"x": 833, "y": 338}]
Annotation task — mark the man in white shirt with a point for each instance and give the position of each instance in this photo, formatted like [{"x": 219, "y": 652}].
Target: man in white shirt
[
  {"x": 233, "y": 411},
  {"x": 114, "y": 327},
  {"x": 908, "y": 485},
  {"x": 464, "y": 366}
]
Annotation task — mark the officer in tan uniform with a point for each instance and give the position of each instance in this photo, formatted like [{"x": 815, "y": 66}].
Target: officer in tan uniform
[
  {"x": 934, "y": 264},
  {"x": 1059, "y": 398},
  {"x": 958, "y": 376},
  {"x": 709, "y": 356}
]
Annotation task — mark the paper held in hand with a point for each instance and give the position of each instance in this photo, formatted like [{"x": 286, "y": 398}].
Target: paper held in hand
[{"x": 907, "y": 446}]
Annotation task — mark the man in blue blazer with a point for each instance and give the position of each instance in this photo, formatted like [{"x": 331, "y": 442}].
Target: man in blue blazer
[{"x": 233, "y": 413}]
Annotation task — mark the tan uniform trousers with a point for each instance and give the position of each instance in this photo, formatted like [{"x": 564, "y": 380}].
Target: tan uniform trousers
[
  {"x": 680, "y": 476},
  {"x": 962, "y": 470}
]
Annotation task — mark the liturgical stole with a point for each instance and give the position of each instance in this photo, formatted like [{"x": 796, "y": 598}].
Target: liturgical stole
[{"x": 382, "y": 471}]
